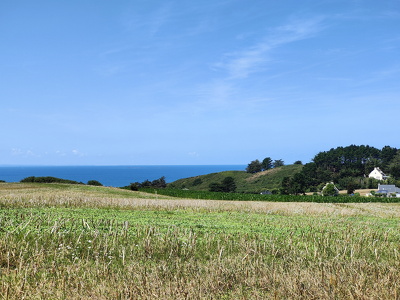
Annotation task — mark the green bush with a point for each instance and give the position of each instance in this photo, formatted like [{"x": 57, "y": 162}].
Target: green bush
[
  {"x": 228, "y": 185},
  {"x": 197, "y": 181},
  {"x": 94, "y": 182},
  {"x": 329, "y": 190},
  {"x": 48, "y": 179}
]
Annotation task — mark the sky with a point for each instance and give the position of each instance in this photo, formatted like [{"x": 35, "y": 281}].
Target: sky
[{"x": 135, "y": 82}]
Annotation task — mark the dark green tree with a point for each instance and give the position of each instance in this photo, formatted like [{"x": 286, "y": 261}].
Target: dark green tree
[
  {"x": 278, "y": 163},
  {"x": 387, "y": 155},
  {"x": 159, "y": 183},
  {"x": 266, "y": 163},
  {"x": 254, "y": 167},
  {"x": 285, "y": 186},
  {"x": 215, "y": 187},
  {"x": 197, "y": 181},
  {"x": 394, "y": 166},
  {"x": 228, "y": 185},
  {"x": 94, "y": 182},
  {"x": 134, "y": 186},
  {"x": 145, "y": 184},
  {"x": 298, "y": 184},
  {"x": 351, "y": 187}
]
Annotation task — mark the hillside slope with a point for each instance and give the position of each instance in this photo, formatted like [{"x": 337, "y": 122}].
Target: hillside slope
[{"x": 245, "y": 182}]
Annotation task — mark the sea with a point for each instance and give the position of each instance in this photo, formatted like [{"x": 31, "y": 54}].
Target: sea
[{"x": 115, "y": 176}]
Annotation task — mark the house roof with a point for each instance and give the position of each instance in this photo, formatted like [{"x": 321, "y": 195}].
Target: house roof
[
  {"x": 388, "y": 188},
  {"x": 378, "y": 170}
]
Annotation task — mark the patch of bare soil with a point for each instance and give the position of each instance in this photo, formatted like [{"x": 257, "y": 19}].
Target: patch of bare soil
[
  {"x": 262, "y": 173},
  {"x": 363, "y": 192}
]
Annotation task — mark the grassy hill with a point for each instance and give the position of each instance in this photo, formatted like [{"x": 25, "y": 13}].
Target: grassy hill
[{"x": 245, "y": 182}]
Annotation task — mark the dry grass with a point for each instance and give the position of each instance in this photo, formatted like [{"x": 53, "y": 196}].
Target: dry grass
[
  {"x": 299, "y": 250},
  {"x": 362, "y": 192},
  {"x": 262, "y": 173},
  {"x": 21, "y": 194}
]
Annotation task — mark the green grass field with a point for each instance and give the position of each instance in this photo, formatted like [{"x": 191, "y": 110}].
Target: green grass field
[
  {"x": 245, "y": 182},
  {"x": 79, "y": 242}
]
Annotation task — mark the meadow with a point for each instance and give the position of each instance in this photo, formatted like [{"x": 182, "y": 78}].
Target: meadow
[{"x": 60, "y": 241}]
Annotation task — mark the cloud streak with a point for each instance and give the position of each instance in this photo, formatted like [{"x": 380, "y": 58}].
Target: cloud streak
[
  {"x": 239, "y": 67},
  {"x": 241, "y": 64}
]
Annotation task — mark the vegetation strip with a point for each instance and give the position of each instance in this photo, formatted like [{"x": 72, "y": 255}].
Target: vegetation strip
[{"x": 275, "y": 198}]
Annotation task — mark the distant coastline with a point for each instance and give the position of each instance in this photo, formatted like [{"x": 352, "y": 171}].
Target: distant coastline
[{"x": 116, "y": 176}]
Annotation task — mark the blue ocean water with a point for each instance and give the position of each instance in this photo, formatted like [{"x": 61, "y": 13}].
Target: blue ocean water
[{"x": 116, "y": 176}]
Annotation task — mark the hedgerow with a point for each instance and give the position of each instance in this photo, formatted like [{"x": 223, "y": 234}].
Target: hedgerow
[{"x": 258, "y": 197}]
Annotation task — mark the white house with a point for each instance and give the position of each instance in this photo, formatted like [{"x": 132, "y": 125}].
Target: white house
[{"x": 378, "y": 174}]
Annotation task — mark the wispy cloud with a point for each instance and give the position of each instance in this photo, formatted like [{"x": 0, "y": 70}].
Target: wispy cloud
[
  {"x": 60, "y": 153},
  {"x": 24, "y": 153},
  {"x": 77, "y": 153},
  {"x": 193, "y": 154},
  {"x": 160, "y": 18},
  {"x": 149, "y": 22},
  {"x": 111, "y": 69},
  {"x": 390, "y": 73},
  {"x": 214, "y": 96},
  {"x": 368, "y": 15},
  {"x": 243, "y": 63},
  {"x": 226, "y": 91},
  {"x": 115, "y": 51}
]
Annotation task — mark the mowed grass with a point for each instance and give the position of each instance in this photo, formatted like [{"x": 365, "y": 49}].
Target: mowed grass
[{"x": 77, "y": 242}]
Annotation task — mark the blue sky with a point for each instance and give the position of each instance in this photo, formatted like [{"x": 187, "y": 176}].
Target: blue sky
[{"x": 195, "y": 82}]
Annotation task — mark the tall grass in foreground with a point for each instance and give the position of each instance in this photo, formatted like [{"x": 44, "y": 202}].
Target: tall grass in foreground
[
  {"x": 43, "y": 257},
  {"x": 78, "y": 242}
]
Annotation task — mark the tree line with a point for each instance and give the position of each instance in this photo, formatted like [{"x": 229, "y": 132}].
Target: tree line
[
  {"x": 348, "y": 167},
  {"x": 50, "y": 179},
  {"x": 159, "y": 183},
  {"x": 267, "y": 163}
]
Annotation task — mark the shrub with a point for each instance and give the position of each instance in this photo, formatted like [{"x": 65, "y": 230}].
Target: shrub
[
  {"x": 94, "y": 182},
  {"x": 159, "y": 183},
  {"x": 351, "y": 187},
  {"x": 228, "y": 185},
  {"x": 197, "y": 181},
  {"x": 49, "y": 179},
  {"x": 134, "y": 186},
  {"x": 330, "y": 190},
  {"x": 215, "y": 187}
]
